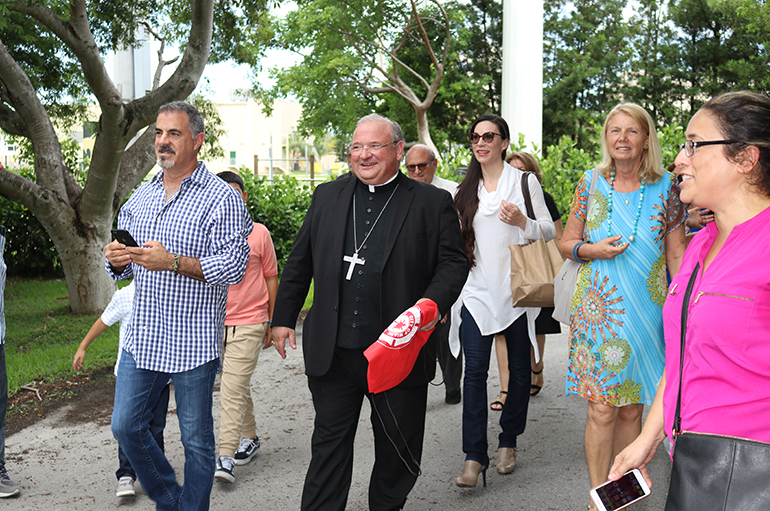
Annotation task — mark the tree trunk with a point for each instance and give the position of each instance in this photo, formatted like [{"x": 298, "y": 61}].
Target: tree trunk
[
  {"x": 89, "y": 285},
  {"x": 423, "y": 131},
  {"x": 79, "y": 220}
]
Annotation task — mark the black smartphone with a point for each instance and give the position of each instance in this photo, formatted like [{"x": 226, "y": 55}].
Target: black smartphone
[{"x": 123, "y": 236}]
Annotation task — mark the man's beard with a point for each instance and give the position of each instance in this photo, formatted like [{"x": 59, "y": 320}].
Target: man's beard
[
  {"x": 164, "y": 163},
  {"x": 162, "y": 160}
]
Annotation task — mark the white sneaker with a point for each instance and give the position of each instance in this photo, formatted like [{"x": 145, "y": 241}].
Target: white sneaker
[
  {"x": 246, "y": 450},
  {"x": 125, "y": 487},
  {"x": 224, "y": 470}
]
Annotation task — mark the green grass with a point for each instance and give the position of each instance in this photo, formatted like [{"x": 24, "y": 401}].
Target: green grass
[{"x": 42, "y": 334}]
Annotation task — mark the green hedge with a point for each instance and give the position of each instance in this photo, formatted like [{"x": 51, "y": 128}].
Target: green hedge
[
  {"x": 280, "y": 206},
  {"x": 29, "y": 251}
]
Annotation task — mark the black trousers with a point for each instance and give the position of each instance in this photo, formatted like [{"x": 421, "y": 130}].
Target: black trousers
[
  {"x": 451, "y": 367},
  {"x": 398, "y": 417}
]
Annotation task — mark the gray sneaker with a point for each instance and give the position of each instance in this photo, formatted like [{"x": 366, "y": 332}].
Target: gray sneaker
[
  {"x": 7, "y": 487},
  {"x": 224, "y": 470},
  {"x": 247, "y": 450},
  {"x": 125, "y": 487}
]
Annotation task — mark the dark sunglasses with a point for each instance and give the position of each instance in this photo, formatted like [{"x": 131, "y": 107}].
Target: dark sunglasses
[
  {"x": 488, "y": 137},
  {"x": 420, "y": 166}
]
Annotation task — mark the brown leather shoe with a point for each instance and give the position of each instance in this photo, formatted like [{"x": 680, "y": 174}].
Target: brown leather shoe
[
  {"x": 506, "y": 460},
  {"x": 470, "y": 477}
]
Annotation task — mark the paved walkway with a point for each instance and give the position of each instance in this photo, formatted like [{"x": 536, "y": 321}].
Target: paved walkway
[{"x": 66, "y": 468}]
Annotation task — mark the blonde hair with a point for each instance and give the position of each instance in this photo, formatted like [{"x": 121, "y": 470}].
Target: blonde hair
[
  {"x": 651, "y": 169},
  {"x": 529, "y": 161}
]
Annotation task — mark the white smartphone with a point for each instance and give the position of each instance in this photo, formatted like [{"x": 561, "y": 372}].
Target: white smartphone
[{"x": 627, "y": 490}]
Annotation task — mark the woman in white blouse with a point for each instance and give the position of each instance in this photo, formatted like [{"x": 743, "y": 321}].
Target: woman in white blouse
[{"x": 493, "y": 216}]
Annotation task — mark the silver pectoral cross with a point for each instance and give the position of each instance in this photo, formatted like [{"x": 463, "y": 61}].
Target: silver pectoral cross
[{"x": 353, "y": 260}]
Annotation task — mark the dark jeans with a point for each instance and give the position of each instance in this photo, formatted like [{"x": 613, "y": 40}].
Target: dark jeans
[
  {"x": 398, "y": 417},
  {"x": 157, "y": 425},
  {"x": 513, "y": 418}
]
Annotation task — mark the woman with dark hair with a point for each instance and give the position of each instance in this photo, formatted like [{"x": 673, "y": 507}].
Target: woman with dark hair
[
  {"x": 493, "y": 216},
  {"x": 724, "y": 166},
  {"x": 632, "y": 233}
]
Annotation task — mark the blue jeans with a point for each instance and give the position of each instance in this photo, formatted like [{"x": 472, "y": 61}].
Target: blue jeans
[
  {"x": 137, "y": 392},
  {"x": 157, "y": 425},
  {"x": 3, "y": 401},
  {"x": 513, "y": 418}
]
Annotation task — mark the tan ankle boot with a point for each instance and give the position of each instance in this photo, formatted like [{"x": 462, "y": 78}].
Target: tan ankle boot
[
  {"x": 506, "y": 460},
  {"x": 470, "y": 477}
]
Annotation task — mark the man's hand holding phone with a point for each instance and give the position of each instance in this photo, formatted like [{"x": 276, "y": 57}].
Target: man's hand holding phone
[{"x": 117, "y": 251}]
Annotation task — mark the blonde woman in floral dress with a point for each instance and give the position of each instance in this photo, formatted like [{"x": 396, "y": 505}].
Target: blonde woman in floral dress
[{"x": 635, "y": 230}]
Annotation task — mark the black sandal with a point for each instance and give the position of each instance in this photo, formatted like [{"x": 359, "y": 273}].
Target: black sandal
[
  {"x": 535, "y": 389},
  {"x": 499, "y": 401}
]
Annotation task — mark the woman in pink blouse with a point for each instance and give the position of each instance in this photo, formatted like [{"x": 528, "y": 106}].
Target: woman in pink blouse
[{"x": 724, "y": 166}]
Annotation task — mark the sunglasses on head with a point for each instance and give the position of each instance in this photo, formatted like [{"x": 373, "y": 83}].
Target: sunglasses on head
[{"x": 488, "y": 137}]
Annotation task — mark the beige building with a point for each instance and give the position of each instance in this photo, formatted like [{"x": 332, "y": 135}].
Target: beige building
[
  {"x": 251, "y": 140},
  {"x": 254, "y": 140}
]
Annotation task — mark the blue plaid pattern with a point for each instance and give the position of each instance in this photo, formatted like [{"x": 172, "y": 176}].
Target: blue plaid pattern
[{"x": 178, "y": 322}]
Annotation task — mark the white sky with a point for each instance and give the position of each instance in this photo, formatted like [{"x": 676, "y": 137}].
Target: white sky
[{"x": 226, "y": 77}]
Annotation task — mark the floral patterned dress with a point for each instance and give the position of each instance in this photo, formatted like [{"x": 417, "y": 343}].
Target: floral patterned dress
[{"x": 617, "y": 352}]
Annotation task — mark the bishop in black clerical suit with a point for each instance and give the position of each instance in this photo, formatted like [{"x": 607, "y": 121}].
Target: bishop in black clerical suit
[{"x": 375, "y": 243}]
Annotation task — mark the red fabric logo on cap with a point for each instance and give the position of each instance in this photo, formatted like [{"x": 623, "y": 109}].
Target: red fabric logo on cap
[{"x": 392, "y": 357}]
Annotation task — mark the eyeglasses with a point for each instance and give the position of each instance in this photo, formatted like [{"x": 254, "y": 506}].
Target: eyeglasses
[
  {"x": 357, "y": 149},
  {"x": 420, "y": 166},
  {"x": 689, "y": 146},
  {"x": 488, "y": 137}
]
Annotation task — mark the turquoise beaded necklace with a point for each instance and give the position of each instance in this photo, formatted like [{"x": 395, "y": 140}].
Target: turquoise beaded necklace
[{"x": 609, "y": 207}]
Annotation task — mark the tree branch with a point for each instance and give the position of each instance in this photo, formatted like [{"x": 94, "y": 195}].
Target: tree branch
[
  {"x": 109, "y": 161},
  {"x": 36, "y": 124},
  {"x": 161, "y": 63},
  {"x": 10, "y": 121},
  {"x": 76, "y": 35}
]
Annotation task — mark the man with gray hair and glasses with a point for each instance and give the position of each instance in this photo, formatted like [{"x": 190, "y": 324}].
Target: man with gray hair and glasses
[
  {"x": 421, "y": 164},
  {"x": 374, "y": 243}
]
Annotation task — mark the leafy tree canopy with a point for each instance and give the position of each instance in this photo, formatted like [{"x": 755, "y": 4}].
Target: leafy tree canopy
[{"x": 52, "y": 56}]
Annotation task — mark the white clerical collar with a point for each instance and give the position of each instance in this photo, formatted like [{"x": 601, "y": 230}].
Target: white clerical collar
[{"x": 372, "y": 187}]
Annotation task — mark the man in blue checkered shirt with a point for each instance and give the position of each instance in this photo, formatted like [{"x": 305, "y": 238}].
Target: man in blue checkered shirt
[{"x": 192, "y": 229}]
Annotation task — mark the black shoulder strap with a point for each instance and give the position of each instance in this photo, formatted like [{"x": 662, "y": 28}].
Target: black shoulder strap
[
  {"x": 683, "y": 334},
  {"x": 527, "y": 196}
]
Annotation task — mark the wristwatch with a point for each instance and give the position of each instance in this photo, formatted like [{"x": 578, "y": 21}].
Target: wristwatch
[{"x": 175, "y": 266}]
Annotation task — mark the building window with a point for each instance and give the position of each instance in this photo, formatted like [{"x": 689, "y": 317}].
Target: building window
[{"x": 232, "y": 158}]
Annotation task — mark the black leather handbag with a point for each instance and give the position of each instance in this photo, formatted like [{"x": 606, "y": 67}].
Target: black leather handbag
[{"x": 715, "y": 472}]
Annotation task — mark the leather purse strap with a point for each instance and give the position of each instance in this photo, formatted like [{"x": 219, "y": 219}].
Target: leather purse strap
[
  {"x": 527, "y": 196},
  {"x": 683, "y": 335}
]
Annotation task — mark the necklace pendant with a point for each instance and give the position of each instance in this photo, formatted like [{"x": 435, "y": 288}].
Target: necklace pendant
[
  {"x": 353, "y": 260},
  {"x": 626, "y": 202}
]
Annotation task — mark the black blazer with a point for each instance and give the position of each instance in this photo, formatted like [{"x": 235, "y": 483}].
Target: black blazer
[{"x": 424, "y": 257}]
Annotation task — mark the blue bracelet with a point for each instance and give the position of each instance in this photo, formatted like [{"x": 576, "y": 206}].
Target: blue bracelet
[{"x": 575, "y": 248}]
